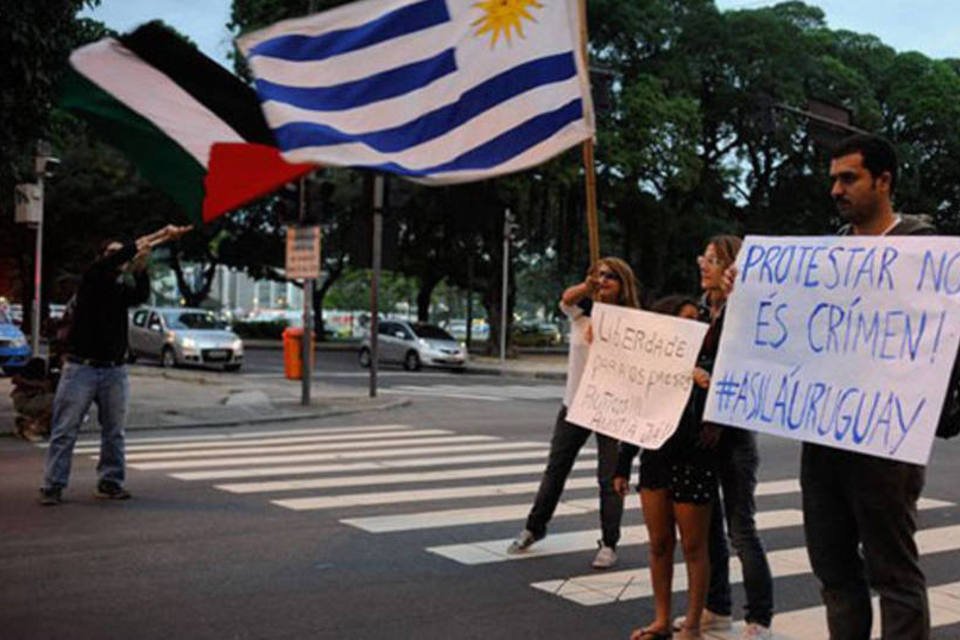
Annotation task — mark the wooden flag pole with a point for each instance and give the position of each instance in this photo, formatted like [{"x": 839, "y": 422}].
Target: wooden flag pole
[{"x": 589, "y": 166}]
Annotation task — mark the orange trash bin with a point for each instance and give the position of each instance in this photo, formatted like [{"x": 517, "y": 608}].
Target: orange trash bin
[{"x": 292, "y": 353}]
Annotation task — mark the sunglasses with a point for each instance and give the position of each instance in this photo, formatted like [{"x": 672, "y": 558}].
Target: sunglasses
[{"x": 608, "y": 275}]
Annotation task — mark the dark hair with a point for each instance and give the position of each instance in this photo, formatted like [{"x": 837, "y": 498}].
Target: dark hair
[
  {"x": 878, "y": 155},
  {"x": 727, "y": 248},
  {"x": 671, "y": 305}
]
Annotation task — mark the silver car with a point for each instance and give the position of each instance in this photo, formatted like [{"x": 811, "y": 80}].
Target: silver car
[
  {"x": 415, "y": 345},
  {"x": 184, "y": 336}
]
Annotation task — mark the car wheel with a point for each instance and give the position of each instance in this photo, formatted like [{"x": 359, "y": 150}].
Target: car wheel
[
  {"x": 131, "y": 357},
  {"x": 412, "y": 361},
  {"x": 364, "y": 357},
  {"x": 168, "y": 359},
  {"x": 232, "y": 368}
]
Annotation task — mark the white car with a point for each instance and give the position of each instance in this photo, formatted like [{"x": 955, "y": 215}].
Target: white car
[
  {"x": 414, "y": 345},
  {"x": 184, "y": 336}
]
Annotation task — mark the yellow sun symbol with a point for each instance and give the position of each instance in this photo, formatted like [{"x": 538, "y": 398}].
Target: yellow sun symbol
[{"x": 501, "y": 17}]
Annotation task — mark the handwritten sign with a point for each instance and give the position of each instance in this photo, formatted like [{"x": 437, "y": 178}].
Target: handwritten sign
[
  {"x": 638, "y": 374},
  {"x": 303, "y": 252},
  {"x": 847, "y": 342}
]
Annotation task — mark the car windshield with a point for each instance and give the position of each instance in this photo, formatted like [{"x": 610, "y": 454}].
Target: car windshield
[
  {"x": 192, "y": 320},
  {"x": 5, "y": 317},
  {"x": 431, "y": 331}
]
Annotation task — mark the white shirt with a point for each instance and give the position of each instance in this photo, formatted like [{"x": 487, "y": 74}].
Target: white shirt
[{"x": 579, "y": 349}]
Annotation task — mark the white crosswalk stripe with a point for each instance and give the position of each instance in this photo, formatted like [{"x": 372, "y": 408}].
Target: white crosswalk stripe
[
  {"x": 493, "y": 393},
  {"x": 388, "y": 479}
]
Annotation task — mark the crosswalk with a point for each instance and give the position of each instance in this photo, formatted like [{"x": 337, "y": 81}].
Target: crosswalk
[
  {"x": 392, "y": 478},
  {"x": 488, "y": 392}
]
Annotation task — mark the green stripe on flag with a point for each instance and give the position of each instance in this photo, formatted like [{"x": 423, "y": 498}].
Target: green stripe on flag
[{"x": 159, "y": 158}]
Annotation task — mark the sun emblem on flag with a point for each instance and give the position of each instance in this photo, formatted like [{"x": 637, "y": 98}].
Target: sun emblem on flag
[{"x": 502, "y": 17}]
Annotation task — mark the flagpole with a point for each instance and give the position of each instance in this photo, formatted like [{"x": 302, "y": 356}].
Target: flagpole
[
  {"x": 375, "y": 260},
  {"x": 589, "y": 166}
]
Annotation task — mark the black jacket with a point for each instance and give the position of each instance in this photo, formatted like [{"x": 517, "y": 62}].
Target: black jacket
[{"x": 99, "y": 326}]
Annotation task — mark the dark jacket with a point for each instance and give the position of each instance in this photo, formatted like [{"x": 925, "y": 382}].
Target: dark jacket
[{"x": 99, "y": 326}]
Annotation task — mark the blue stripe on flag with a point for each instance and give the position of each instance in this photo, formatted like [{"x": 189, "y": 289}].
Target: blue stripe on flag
[
  {"x": 504, "y": 147},
  {"x": 359, "y": 93},
  {"x": 477, "y": 100},
  {"x": 410, "y": 19}
]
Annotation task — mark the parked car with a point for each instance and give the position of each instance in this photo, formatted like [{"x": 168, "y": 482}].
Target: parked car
[
  {"x": 184, "y": 336},
  {"x": 537, "y": 334},
  {"x": 415, "y": 345},
  {"x": 14, "y": 350}
]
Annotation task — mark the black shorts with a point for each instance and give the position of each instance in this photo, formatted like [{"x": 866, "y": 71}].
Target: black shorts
[{"x": 689, "y": 481}]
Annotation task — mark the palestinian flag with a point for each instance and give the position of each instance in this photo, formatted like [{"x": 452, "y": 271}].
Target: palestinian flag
[{"x": 192, "y": 128}]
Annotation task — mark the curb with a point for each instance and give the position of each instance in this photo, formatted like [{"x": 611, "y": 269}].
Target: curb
[{"x": 329, "y": 412}]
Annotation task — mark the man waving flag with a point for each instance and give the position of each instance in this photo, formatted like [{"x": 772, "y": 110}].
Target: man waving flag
[{"x": 440, "y": 91}]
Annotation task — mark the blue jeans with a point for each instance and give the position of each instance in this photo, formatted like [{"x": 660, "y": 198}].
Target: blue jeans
[
  {"x": 80, "y": 386},
  {"x": 566, "y": 443},
  {"x": 737, "y": 471}
]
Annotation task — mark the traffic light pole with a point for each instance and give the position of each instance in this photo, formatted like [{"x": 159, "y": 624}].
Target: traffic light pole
[{"x": 306, "y": 344}]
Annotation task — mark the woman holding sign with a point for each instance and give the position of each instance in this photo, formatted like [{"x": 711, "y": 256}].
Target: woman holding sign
[
  {"x": 610, "y": 281},
  {"x": 737, "y": 463}
]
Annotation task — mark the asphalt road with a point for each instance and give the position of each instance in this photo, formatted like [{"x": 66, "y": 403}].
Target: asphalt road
[{"x": 373, "y": 532}]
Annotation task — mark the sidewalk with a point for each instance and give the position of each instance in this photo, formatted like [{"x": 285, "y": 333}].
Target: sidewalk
[{"x": 178, "y": 398}]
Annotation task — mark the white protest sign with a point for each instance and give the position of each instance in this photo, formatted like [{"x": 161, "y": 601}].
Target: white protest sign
[
  {"x": 843, "y": 341},
  {"x": 638, "y": 374}
]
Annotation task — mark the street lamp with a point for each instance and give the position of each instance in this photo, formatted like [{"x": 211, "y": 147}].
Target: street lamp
[{"x": 29, "y": 210}]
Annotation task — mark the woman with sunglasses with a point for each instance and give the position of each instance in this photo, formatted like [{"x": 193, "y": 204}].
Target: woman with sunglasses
[
  {"x": 737, "y": 464},
  {"x": 678, "y": 490},
  {"x": 611, "y": 281}
]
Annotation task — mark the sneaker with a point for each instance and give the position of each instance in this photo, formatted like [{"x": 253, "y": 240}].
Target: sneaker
[
  {"x": 524, "y": 541},
  {"x": 709, "y": 621},
  {"x": 111, "y": 491},
  {"x": 50, "y": 497},
  {"x": 756, "y": 631},
  {"x": 606, "y": 557}
]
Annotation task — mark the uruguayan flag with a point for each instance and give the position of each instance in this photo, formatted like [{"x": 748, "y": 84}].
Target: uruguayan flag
[{"x": 440, "y": 91}]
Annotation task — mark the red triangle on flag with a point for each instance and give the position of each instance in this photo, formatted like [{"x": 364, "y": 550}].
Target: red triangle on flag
[{"x": 240, "y": 172}]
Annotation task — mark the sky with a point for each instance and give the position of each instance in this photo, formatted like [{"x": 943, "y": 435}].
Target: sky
[{"x": 929, "y": 26}]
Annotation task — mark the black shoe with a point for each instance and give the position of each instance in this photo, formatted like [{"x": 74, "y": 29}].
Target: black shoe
[
  {"x": 50, "y": 497},
  {"x": 111, "y": 491}
]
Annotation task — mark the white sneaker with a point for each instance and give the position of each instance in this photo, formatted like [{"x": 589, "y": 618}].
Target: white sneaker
[
  {"x": 709, "y": 621},
  {"x": 606, "y": 557},
  {"x": 524, "y": 541},
  {"x": 755, "y": 631}
]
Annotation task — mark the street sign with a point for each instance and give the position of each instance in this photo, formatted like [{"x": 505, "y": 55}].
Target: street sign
[
  {"x": 28, "y": 200},
  {"x": 303, "y": 252}
]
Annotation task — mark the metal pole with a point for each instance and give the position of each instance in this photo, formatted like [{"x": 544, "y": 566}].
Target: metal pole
[
  {"x": 469, "y": 327},
  {"x": 503, "y": 285},
  {"x": 376, "y": 255},
  {"x": 306, "y": 344},
  {"x": 37, "y": 277}
]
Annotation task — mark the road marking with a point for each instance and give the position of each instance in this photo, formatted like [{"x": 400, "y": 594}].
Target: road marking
[
  {"x": 459, "y": 517},
  {"x": 396, "y": 478},
  {"x": 812, "y": 623},
  {"x": 615, "y": 586},
  {"x": 425, "y": 391},
  {"x": 422, "y": 495},
  {"x": 488, "y": 551},
  {"x": 241, "y": 434},
  {"x": 304, "y": 457},
  {"x": 254, "y": 472},
  {"x": 319, "y": 436},
  {"x": 324, "y": 443}
]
